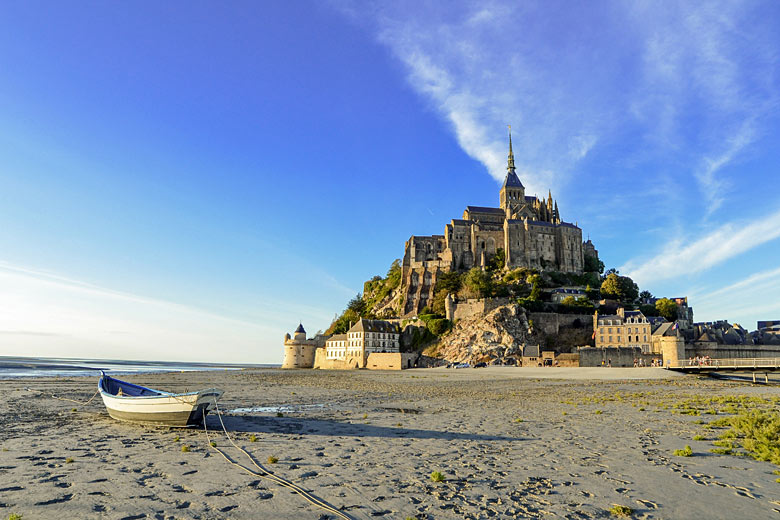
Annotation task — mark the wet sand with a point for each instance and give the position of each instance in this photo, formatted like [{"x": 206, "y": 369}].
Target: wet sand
[{"x": 509, "y": 442}]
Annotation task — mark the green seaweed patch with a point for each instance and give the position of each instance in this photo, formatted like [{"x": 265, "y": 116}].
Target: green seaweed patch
[
  {"x": 621, "y": 511},
  {"x": 437, "y": 476},
  {"x": 685, "y": 452},
  {"x": 754, "y": 433}
]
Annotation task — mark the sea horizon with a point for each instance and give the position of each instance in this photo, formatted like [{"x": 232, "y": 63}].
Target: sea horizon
[{"x": 29, "y": 366}]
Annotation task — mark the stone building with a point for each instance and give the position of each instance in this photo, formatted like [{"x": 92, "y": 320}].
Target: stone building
[
  {"x": 529, "y": 231},
  {"x": 299, "y": 352},
  {"x": 352, "y": 350},
  {"x": 624, "y": 329}
]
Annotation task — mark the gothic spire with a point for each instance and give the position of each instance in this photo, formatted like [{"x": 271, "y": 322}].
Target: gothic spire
[
  {"x": 510, "y": 163},
  {"x": 511, "y": 176}
]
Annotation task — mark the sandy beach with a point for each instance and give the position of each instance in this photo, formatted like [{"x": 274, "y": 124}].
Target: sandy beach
[{"x": 509, "y": 443}]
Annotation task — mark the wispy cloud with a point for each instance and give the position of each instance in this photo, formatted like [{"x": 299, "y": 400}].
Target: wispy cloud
[
  {"x": 713, "y": 187},
  {"x": 680, "y": 258},
  {"x": 743, "y": 302},
  {"x": 54, "y": 315},
  {"x": 691, "y": 81}
]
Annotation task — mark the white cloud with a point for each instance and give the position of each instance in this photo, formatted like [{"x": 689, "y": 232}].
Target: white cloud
[
  {"x": 680, "y": 258},
  {"x": 746, "y": 301},
  {"x": 690, "y": 80},
  {"x": 713, "y": 187},
  {"x": 44, "y": 314}
]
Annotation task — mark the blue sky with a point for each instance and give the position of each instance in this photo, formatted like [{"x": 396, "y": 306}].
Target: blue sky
[{"x": 188, "y": 180}]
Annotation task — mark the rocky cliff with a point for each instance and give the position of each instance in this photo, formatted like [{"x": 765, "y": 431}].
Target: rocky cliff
[{"x": 498, "y": 334}]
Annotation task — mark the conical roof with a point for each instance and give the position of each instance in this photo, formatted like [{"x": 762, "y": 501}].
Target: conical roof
[
  {"x": 512, "y": 180},
  {"x": 300, "y": 329}
]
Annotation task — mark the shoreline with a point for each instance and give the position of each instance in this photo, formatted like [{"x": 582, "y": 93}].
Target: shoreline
[{"x": 510, "y": 443}]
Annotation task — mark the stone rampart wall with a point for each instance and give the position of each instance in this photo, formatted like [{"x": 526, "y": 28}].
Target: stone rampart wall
[
  {"x": 467, "y": 308},
  {"x": 620, "y": 356},
  {"x": 391, "y": 360},
  {"x": 551, "y": 323},
  {"x": 733, "y": 351}
]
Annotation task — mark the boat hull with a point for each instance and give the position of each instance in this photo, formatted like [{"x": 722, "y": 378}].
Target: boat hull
[
  {"x": 168, "y": 411},
  {"x": 149, "y": 406}
]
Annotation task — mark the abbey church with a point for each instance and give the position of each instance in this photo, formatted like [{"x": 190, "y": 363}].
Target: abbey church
[{"x": 530, "y": 232}]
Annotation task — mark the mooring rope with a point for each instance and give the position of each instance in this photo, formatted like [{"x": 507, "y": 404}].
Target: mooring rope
[
  {"x": 82, "y": 403},
  {"x": 314, "y": 500}
]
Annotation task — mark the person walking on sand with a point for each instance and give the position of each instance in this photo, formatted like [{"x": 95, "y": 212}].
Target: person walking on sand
[{"x": 609, "y": 363}]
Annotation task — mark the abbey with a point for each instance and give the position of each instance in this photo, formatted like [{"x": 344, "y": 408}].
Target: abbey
[{"x": 530, "y": 232}]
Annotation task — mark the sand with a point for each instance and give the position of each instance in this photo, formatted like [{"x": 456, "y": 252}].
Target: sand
[{"x": 509, "y": 442}]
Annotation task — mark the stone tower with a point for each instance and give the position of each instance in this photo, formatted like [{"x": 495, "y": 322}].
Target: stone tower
[
  {"x": 512, "y": 192},
  {"x": 299, "y": 351}
]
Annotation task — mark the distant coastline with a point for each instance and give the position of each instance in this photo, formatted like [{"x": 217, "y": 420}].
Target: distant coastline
[{"x": 23, "y": 367}]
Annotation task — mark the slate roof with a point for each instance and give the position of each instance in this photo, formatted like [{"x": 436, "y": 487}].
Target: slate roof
[
  {"x": 482, "y": 209},
  {"x": 300, "y": 329},
  {"x": 364, "y": 325},
  {"x": 457, "y": 221},
  {"x": 706, "y": 337},
  {"x": 531, "y": 351},
  {"x": 513, "y": 181},
  {"x": 665, "y": 329},
  {"x": 338, "y": 337}
]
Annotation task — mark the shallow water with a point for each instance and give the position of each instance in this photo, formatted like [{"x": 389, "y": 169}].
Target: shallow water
[
  {"x": 16, "y": 367},
  {"x": 282, "y": 408}
]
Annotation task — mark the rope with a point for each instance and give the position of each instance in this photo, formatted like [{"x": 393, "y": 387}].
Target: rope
[
  {"x": 84, "y": 403},
  {"x": 309, "y": 497}
]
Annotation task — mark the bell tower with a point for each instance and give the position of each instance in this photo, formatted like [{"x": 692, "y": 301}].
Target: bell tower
[{"x": 512, "y": 192}]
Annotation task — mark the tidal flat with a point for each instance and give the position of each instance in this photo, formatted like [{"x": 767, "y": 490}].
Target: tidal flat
[{"x": 500, "y": 442}]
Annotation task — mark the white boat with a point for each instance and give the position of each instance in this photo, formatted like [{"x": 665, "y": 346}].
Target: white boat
[{"x": 128, "y": 402}]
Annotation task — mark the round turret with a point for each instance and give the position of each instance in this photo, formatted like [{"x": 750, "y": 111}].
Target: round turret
[{"x": 300, "y": 333}]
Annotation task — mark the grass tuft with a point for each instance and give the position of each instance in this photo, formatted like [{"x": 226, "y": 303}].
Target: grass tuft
[
  {"x": 685, "y": 452},
  {"x": 756, "y": 432},
  {"x": 14, "y": 516},
  {"x": 518, "y": 420},
  {"x": 698, "y": 438},
  {"x": 272, "y": 459},
  {"x": 621, "y": 511},
  {"x": 176, "y": 439},
  {"x": 437, "y": 476},
  {"x": 185, "y": 449},
  {"x": 213, "y": 444},
  {"x": 253, "y": 438},
  {"x": 279, "y": 414},
  {"x": 68, "y": 460},
  {"x": 598, "y": 412}
]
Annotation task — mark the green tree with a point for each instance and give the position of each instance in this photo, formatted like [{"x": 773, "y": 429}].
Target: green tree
[
  {"x": 648, "y": 310},
  {"x": 593, "y": 264},
  {"x": 645, "y": 295},
  {"x": 536, "y": 292},
  {"x": 357, "y": 305},
  {"x": 498, "y": 261},
  {"x": 666, "y": 308},
  {"x": 477, "y": 283},
  {"x": 621, "y": 288},
  {"x": 446, "y": 283}
]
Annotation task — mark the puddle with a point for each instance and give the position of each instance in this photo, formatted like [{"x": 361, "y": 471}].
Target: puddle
[
  {"x": 282, "y": 408},
  {"x": 399, "y": 410}
]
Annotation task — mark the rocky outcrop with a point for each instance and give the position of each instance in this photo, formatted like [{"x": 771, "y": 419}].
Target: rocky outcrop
[{"x": 497, "y": 335}]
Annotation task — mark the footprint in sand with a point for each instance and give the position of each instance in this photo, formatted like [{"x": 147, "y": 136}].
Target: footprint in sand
[
  {"x": 63, "y": 498},
  {"x": 647, "y": 503}
]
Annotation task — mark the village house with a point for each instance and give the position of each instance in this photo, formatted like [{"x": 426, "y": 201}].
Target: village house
[{"x": 624, "y": 329}]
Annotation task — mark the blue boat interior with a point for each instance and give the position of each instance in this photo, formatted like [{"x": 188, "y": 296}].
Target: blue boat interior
[{"x": 122, "y": 388}]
